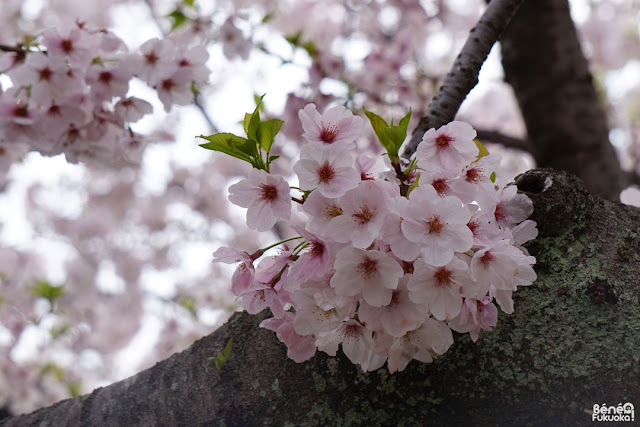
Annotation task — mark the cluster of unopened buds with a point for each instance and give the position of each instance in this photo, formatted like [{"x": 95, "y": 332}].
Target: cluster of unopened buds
[{"x": 388, "y": 263}]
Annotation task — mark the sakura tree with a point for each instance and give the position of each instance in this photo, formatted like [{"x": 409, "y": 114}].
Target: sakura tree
[{"x": 76, "y": 90}]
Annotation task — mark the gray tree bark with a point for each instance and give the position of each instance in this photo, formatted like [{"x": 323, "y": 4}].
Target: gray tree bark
[
  {"x": 566, "y": 125},
  {"x": 572, "y": 342}
]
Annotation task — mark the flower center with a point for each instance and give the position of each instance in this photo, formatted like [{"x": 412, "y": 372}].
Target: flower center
[
  {"x": 368, "y": 268},
  {"x": 351, "y": 332},
  {"x": 395, "y": 299},
  {"x": 487, "y": 259},
  {"x": 435, "y": 225},
  {"x": 168, "y": 84},
  {"x": 151, "y": 58},
  {"x": 332, "y": 211},
  {"x": 105, "y": 77},
  {"x": 499, "y": 213},
  {"x": 443, "y": 141},
  {"x": 66, "y": 45},
  {"x": 440, "y": 186},
  {"x": 326, "y": 172},
  {"x": 317, "y": 249},
  {"x": 328, "y": 134},
  {"x": 364, "y": 216},
  {"x": 443, "y": 277},
  {"x": 268, "y": 192},
  {"x": 474, "y": 175},
  {"x": 473, "y": 226},
  {"x": 45, "y": 74}
]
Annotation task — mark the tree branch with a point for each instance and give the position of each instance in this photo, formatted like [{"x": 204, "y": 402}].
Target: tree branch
[
  {"x": 496, "y": 137},
  {"x": 550, "y": 76},
  {"x": 571, "y": 343},
  {"x": 464, "y": 73}
]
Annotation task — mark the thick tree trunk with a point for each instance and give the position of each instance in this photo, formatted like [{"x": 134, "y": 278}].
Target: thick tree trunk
[
  {"x": 565, "y": 121},
  {"x": 572, "y": 342}
]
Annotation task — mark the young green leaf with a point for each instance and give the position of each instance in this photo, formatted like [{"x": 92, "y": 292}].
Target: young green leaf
[
  {"x": 178, "y": 17},
  {"x": 482, "y": 150},
  {"x": 267, "y": 132},
  {"x": 226, "y": 143},
  {"x": 221, "y": 358},
  {"x": 378, "y": 124},
  {"x": 252, "y": 127},
  {"x": 414, "y": 185},
  {"x": 46, "y": 290}
]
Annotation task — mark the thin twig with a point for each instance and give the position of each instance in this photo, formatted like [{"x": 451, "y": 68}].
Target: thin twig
[
  {"x": 508, "y": 141},
  {"x": 463, "y": 75}
]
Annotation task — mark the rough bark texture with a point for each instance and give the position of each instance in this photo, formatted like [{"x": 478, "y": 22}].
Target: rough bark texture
[
  {"x": 565, "y": 121},
  {"x": 572, "y": 342},
  {"x": 463, "y": 75}
]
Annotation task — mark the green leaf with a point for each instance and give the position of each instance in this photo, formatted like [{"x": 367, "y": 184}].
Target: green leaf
[
  {"x": 310, "y": 47},
  {"x": 249, "y": 147},
  {"x": 254, "y": 120},
  {"x": 294, "y": 39},
  {"x": 247, "y": 119},
  {"x": 258, "y": 101},
  {"x": 267, "y": 131},
  {"x": 482, "y": 150},
  {"x": 272, "y": 158},
  {"x": 46, "y": 290},
  {"x": 51, "y": 368},
  {"x": 194, "y": 89},
  {"x": 492, "y": 177},
  {"x": 221, "y": 358},
  {"x": 377, "y": 122},
  {"x": 190, "y": 304},
  {"x": 58, "y": 331},
  {"x": 226, "y": 143},
  {"x": 413, "y": 186},
  {"x": 75, "y": 388},
  {"x": 178, "y": 17},
  {"x": 189, "y": 3},
  {"x": 404, "y": 122},
  {"x": 390, "y": 136}
]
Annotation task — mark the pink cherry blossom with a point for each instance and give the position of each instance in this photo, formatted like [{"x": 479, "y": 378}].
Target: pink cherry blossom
[
  {"x": 431, "y": 339},
  {"x": 364, "y": 210},
  {"x": 476, "y": 179},
  {"x": 319, "y": 308},
  {"x": 512, "y": 207},
  {"x": 449, "y": 147},
  {"x": 439, "y": 287},
  {"x": 438, "y": 224},
  {"x": 314, "y": 261},
  {"x": 326, "y": 168},
  {"x": 476, "y": 314},
  {"x": 155, "y": 62},
  {"x": 356, "y": 341},
  {"x": 499, "y": 266},
  {"x": 321, "y": 210},
  {"x": 391, "y": 231},
  {"x": 398, "y": 317},
  {"x": 265, "y": 196},
  {"x": 372, "y": 274},
  {"x": 242, "y": 278},
  {"x": 336, "y": 126},
  {"x": 299, "y": 347}
]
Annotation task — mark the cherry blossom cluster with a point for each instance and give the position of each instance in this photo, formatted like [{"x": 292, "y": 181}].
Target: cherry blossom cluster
[
  {"x": 69, "y": 91},
  {"x": 387, "y": 263}
]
